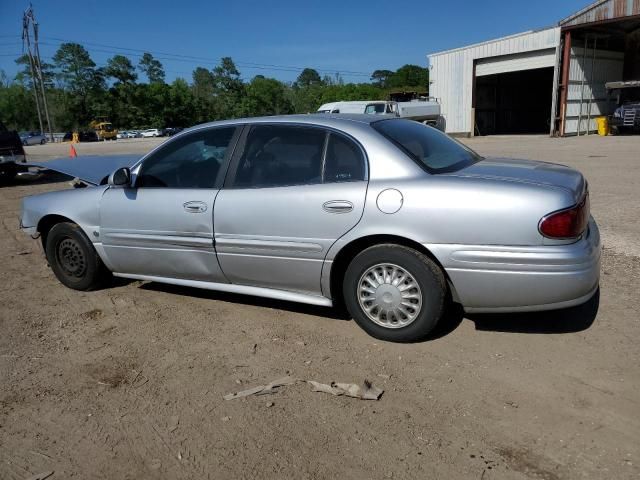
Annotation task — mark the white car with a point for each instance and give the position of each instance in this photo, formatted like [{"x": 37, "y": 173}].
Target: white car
[
  {"x": 152, "y": 132},
  {"x": 121, "y": 135}
]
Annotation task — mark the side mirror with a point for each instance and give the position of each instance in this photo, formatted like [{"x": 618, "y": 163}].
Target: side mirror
[{"x": 120, "y": 178}]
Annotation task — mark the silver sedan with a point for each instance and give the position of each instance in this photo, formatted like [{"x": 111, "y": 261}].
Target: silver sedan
[
  {"x": 391, "y": 218},
  {"x": 33, "y": 138}
]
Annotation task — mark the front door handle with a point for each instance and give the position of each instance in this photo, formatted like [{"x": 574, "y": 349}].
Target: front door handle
[
  {"x": 195, "y": 207},
  {"x": 337, "y": 206}
]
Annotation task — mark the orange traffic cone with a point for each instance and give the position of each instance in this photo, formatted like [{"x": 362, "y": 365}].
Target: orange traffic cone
[{"x": 72, "y": 151}]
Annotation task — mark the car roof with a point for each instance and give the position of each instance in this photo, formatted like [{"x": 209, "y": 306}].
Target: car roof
[{"x": 336, "y": 120}]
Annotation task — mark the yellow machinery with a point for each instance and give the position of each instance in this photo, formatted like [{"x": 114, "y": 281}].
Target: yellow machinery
[
  {"x": 104, "y": 129},
  {"x": 603, "y": 126}
]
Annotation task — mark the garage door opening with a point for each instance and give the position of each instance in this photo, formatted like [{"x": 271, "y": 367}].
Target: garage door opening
[{"x": 514, "y": 102}]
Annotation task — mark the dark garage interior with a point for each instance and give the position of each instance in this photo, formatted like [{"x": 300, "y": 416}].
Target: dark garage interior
[{"x": 514, "y": 102}]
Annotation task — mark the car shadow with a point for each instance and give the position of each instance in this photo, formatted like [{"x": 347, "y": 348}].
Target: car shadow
[
  {"x": 327, "y": 312},
  {"x": 566, "y": 320},
  {"x": 451, "y": 319}
]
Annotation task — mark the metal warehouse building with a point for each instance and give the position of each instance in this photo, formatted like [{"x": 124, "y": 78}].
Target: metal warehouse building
[{"x": 544, "y": 81}]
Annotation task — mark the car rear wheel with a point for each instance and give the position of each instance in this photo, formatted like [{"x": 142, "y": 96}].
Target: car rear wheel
[
  {"x": 394, "y": 293},
  {"x": 73, "y": 259}
]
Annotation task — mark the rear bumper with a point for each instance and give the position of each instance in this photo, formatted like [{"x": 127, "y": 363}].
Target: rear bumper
[
  {"x": 513, "y": 279},
  {"x": 12, "y": 159}
]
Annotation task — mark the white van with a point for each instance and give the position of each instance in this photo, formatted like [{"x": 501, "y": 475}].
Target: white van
[{"x": 377, "y": 107}]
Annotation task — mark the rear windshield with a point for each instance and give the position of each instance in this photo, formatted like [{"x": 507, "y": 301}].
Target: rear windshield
[{"x": 432, "y": 149}]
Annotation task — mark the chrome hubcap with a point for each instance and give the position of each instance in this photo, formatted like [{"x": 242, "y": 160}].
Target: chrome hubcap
[{"x": 389, "y": 295}]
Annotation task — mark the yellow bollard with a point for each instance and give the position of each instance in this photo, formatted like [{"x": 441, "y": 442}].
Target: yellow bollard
[{"x": 603, "y": 126}]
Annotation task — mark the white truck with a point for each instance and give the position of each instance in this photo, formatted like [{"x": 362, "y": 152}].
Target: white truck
[{"x": 423, "y": 109}]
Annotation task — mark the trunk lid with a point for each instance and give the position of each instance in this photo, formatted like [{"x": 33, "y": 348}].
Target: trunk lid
[{"x": 527, "y": 171}]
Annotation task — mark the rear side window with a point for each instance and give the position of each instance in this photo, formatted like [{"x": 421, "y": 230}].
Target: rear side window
[
  {"x": 430, "y": 148},
  {"x": 277, "y": 156},
  {"x": 192, "y": 161},
  {"x": 344, "y": 161}
]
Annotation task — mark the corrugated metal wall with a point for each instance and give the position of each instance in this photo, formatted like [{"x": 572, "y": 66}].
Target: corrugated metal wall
[
  {"x": 587, "y": 96},
  {"x": 603, "y": 10},
  {"x": 451, "y": 75}
]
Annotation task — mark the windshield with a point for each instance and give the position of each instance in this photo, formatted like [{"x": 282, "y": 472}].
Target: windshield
[{"x": 432, "y": 149}]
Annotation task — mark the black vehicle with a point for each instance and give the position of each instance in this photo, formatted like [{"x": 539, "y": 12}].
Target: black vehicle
[
  {"x": 83, "y": 136},
  {"x": 626, "y": 118},
  {"x": 170, "y": 131},
  {"x": 11, "y": 154}
]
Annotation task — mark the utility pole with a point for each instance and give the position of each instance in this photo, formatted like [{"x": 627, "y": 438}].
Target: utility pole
[{"x": 30, "y": 27}]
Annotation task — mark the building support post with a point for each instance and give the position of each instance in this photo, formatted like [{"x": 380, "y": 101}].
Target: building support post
[
  {"x": 553, "y": 115},
  {"x": 566, "y": 60}
]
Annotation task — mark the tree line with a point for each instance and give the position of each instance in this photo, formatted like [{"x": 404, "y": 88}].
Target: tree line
[{"x": 78, "y": 91}]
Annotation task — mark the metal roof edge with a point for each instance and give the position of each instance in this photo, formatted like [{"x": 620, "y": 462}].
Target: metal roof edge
[
  {"x": 443, "y": 52},
  {"x": 582, "y": 11}
]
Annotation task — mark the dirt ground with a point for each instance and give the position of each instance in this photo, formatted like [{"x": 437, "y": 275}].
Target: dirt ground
[{"x": 128, "y": 382}]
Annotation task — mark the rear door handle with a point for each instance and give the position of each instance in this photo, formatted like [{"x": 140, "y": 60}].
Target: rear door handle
[
  {"x": 337, "y": 206},
  {"x": 195, "y": 207}
]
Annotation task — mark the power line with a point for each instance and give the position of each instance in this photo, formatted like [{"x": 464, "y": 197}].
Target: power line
[{"x": 182, "y": 57}]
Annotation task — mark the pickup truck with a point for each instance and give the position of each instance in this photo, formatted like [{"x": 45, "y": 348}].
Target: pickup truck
[
  {"x": 11, "y": 154},
  {"x": 425, "y": 110},
  {"x": 625, "y": 118}
]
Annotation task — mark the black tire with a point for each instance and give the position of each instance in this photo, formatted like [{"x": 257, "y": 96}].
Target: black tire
[
  {"x": 425, "y": 272},
  {"x": 73, "y": 259},
  {"x": 43, "y": 141},
  {"x": 7, "y": 173}
]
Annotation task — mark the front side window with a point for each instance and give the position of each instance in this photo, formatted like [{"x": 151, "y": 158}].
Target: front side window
[
  {"x": 430, "y": 148},
  {"x": 277, "y": 156},
  {"x": 192, "y": 161}
]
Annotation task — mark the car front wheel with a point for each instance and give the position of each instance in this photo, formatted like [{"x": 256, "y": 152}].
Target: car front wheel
[
  {"x": 394, "y": 293},
  {"x": 73, "y": 259}
]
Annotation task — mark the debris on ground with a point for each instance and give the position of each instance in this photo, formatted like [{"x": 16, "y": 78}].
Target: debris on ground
[
  {"x": 40, "y": 476},
  {"x": 173, "y": 423},
  {"x": 263, "y": 389},
  {"x": 366, "y": 391}
]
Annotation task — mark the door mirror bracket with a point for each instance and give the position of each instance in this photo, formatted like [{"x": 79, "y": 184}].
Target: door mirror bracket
[{"x": 120, "y": 178}]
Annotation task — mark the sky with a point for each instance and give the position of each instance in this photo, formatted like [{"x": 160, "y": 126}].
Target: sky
[{"x": 274, "y": 38}]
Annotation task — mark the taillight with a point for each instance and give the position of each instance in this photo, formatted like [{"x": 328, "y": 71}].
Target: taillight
[{"x": 569, "y": 223}]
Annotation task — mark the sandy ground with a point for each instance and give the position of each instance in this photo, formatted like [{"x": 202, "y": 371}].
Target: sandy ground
[{"x": 128, "y": 382}]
